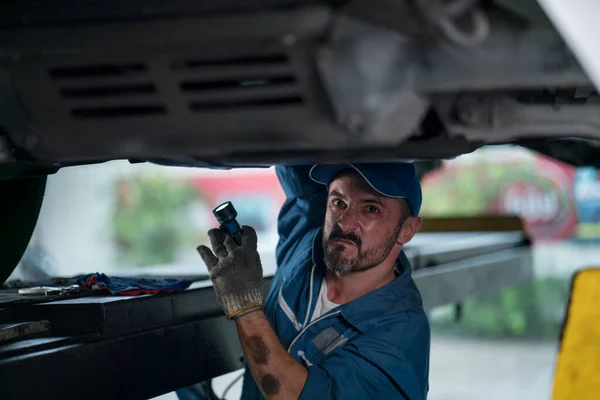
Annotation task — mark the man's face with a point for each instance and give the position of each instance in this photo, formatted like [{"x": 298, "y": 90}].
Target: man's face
[{"x": 362, "y": 227}]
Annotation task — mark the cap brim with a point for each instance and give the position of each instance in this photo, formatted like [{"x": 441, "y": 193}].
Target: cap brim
[{"x": 324, "y": 174}]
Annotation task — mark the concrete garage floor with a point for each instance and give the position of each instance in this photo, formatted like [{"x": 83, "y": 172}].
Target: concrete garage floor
[
  {"x": 465, "y": 368},
  {"x": 476, "y": 369}
]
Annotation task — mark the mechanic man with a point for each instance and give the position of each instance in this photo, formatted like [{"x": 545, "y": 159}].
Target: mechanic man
[{"x": 343, "y": 318}]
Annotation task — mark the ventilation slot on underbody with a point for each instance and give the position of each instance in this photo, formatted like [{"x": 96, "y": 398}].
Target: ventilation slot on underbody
[
  {"x": 96, "y": 71},
  {"x": 235, "y": 83},
  {"x": 263, "y": 59},
  {"x": 117, "y": 111},
  {"x": 107, "y": 91}
]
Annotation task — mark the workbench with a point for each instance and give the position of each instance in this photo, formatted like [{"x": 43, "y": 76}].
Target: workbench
[{"x": 99, "y": 347}]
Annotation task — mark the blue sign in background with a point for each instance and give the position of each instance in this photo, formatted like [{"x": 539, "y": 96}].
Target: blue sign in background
[{"x": 587, "y": 201}]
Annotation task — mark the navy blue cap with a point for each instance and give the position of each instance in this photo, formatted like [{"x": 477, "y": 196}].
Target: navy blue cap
[{"x": 398, "y": 180}]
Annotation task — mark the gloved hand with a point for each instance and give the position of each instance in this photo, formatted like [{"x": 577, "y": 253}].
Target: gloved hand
[{"x": 235, "y": 271}]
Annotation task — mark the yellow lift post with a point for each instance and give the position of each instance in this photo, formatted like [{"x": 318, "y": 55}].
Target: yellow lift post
[{"x": 577, "y": 375}]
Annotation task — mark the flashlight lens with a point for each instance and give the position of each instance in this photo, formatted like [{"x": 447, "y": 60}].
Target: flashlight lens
[
  {"x": 225, "y": 212},
  {"x": 222, "y": 207}
]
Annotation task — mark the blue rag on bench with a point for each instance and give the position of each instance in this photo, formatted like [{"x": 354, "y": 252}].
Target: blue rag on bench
[{"x": 131, "y": 286}]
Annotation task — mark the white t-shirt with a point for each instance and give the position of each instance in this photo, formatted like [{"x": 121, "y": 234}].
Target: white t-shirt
[{"x": 323, "y": 304}]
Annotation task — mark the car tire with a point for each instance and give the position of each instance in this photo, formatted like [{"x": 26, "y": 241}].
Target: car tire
[{"x": 20, "y": 204}]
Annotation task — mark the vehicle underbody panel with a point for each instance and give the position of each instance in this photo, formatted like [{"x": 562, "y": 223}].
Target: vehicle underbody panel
[{"x": 213, "y": 84}]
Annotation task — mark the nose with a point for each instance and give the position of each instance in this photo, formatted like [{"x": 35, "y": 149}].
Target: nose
[{"x": 348, "y": 221}]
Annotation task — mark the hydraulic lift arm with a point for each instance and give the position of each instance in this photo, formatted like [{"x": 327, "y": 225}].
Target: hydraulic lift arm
[{"x": 137, "y": 348}]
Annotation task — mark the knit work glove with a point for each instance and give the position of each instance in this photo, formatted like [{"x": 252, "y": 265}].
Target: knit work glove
[{"x": 235, "y": 271}]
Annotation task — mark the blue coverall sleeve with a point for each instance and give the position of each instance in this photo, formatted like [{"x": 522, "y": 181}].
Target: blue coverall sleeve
[
  {"x": 302, "y": 213},
  {"x": 379, "y": 372}
]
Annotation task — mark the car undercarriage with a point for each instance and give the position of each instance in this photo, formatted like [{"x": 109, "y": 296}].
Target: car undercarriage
[{"x": 213, "y": 84}]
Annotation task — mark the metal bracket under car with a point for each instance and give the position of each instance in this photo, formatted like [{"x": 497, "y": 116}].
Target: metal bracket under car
[{"x": 261, "y": 82}]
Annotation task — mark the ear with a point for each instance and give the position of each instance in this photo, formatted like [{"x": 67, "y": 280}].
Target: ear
[{"x": 411, "y": 226}]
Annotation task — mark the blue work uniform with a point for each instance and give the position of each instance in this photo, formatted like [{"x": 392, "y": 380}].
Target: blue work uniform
[{"x": 374, "y": 347}]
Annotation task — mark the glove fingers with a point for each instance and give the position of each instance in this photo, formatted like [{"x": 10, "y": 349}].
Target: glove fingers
[
  {"x": 249, "y": 237},
  {"x": 221, "y": 251},
  {"x": 258, "y": 262},
  {"x": 230, "y": 244},
  {"x": 208, "y": 257},
  {"x": 217, "y": 238}
]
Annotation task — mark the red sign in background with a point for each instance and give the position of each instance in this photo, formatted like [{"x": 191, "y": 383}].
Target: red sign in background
[
  {"x": 547, "y": 205},
  {"x": 536, "y": 188}
]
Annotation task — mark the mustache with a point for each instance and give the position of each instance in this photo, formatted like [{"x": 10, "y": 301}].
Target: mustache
[{"x": 338, "y": 234}]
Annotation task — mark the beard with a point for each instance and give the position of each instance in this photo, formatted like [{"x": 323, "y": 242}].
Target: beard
[{"x": 336, "y": 261}]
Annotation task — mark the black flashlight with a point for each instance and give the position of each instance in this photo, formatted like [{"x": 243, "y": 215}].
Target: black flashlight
[{"x": 226, "y": 214}]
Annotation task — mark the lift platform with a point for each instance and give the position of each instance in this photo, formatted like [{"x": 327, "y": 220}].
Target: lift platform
[{"x": 99, "y": 347}]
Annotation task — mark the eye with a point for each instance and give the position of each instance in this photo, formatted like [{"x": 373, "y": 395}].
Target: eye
[
  {"x": 373, "y": 209},
  {"x": 338, "y": 202}
]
